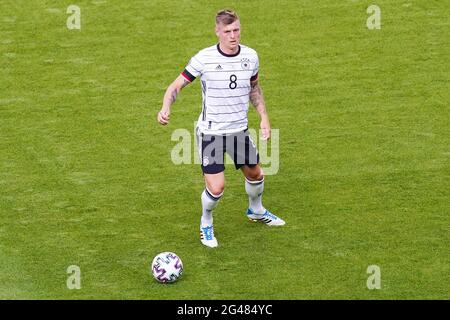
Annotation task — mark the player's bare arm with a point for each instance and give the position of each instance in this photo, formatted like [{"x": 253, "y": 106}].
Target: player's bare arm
[
  {"x": 257, "y": 99},
  {"x": 170, "y": 97}
]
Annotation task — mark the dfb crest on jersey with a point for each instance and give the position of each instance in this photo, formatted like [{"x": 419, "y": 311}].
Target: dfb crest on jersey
[{"x": 245, "y": 63}]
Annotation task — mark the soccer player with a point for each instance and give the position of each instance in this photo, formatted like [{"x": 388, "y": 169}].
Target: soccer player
[{"x": 229, "y": 80}]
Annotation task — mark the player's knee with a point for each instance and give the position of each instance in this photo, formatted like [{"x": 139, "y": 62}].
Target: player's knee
[
  {"x": 216, "y": 189},
  {"x": 255, "y": 175},
  {"x": 259, "y": 176}
]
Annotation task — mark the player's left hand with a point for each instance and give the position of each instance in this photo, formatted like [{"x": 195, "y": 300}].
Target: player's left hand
[
  {"x": 265, "y": 129},
  {"x": 164, "y": 116}
]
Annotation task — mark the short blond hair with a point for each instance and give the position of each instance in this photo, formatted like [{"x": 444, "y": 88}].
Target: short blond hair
[{"x": 226, "y": 17}]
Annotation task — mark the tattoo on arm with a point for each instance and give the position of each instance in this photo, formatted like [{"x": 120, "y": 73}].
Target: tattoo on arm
[
  {"x": 256, "y": 97},
  {"x": 175, "y": 92},
  {"x": 185, "y": 83},
  {"x": 173, "y": 96}
]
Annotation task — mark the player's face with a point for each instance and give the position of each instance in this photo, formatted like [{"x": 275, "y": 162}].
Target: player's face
[{"x": 229, "y": 35}]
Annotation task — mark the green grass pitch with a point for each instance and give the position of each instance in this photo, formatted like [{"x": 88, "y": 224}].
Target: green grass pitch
[{"x": 86, "y": 176}]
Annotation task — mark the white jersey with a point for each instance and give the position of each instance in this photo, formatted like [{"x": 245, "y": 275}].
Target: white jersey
[{"x": 225, "y": 81}]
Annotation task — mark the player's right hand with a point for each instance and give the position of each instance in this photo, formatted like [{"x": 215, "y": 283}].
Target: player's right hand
[{"x": 163, "y": 117}]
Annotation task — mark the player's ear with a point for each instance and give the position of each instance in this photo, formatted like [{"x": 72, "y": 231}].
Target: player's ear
[{"x": 216, "y": 30}]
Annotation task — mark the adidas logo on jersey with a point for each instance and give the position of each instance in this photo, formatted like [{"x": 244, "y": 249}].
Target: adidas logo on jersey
[{"x": 219, "y": 67}]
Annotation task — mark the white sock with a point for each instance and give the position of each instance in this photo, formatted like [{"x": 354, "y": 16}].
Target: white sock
[
  {"x": 209, "y": 202},
  {"x": 255, "y": 190}
]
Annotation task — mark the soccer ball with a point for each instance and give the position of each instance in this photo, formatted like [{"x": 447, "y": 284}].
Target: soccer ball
[{"x": 167, "y": 267}]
